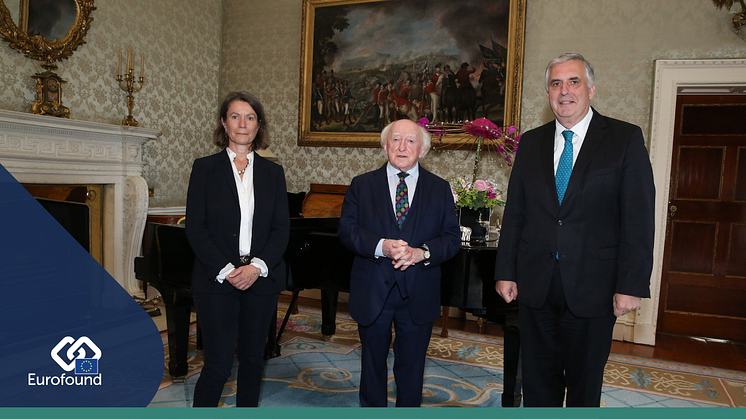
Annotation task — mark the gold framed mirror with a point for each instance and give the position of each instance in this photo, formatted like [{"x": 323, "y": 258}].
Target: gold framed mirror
[
  {"x": 48, "y": 31},
  {"x": 45, "y": 30}
]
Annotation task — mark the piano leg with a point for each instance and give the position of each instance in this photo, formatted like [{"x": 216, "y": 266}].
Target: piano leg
[
  {"x": 328, "y": 313},
  {"x": 178, "y": 317},
  {"x": 511, "y": 367}
]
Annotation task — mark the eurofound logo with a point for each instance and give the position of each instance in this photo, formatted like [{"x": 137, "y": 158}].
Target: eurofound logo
[{"x": 85, "y": 367}]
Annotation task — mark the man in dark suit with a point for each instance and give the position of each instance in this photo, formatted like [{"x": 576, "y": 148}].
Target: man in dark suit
[
  {"x": 576, "y": 246},
  {"x": 238, "y": 226},
  {"x": 398, "y": 251}
]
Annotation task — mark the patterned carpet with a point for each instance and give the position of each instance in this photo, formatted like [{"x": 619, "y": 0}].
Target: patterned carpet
[{"x": 463, "y": 370}]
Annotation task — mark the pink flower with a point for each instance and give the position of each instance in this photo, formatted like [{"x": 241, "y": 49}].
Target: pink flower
[
  {"x": 455, "y": 196},
  {"x": 491, "y": 188},
  {"x": 491, "y": 195},
  {"x": 481, "y": 185},
  {"x": 482, "y": 127},
  {"x": 423, "y": 122}
]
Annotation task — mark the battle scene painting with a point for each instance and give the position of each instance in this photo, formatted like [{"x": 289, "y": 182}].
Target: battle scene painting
[{"x": 366, "y": 64}]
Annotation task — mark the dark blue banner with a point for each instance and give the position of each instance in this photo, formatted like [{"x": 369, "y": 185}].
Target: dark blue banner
[{"x": 70, "y": 334}]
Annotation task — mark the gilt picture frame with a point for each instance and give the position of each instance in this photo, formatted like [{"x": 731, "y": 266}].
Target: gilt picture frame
[
  {"x": 51, "y": 20},
  {"x": 353, "y": 50},
  {"x": 36, "y": 45}
]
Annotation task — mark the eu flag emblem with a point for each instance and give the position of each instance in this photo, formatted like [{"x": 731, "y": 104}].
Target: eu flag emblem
[{"x": 86, "y": 366}]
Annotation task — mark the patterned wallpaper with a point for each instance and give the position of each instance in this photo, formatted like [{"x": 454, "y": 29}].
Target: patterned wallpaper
[
  {"x": 621, "y": 39},
  {"x": 191, "y": 64},
  {"x": 181, "y": 43}
]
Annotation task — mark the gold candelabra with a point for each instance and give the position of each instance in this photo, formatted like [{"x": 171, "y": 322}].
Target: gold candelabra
[{"x": 127, "y": 83}]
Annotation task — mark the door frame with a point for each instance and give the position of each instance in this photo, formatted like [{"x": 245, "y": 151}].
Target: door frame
[{"x": 718, "y": 76}]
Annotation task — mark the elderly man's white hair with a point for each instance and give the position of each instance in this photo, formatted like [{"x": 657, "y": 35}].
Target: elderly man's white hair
[{"x": 422, "y": 132}]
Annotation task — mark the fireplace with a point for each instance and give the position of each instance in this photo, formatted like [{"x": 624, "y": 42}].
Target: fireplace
[
  {"x": 78, "y": 208},
  {"x": 43, "y": 150}
]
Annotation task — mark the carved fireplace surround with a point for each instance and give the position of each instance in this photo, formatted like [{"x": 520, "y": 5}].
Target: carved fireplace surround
[{"x": 48, "y": 150}]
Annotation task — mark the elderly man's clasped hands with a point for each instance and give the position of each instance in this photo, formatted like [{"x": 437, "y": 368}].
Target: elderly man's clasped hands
[{"x": 402, "y": 256}]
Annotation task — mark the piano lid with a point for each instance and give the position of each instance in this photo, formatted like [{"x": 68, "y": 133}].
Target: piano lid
[{"x": 324, "y": 200}]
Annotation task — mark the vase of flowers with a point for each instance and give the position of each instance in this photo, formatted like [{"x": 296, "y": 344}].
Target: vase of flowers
[{"x": 474, "y": 204}]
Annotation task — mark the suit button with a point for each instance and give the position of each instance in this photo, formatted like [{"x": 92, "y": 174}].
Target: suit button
[{"x": 559, "y": 222}]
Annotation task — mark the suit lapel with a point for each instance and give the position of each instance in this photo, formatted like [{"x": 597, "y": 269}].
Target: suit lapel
[
  {"x": 260, "y": 184},
  {"x": 546, "y": 147},
  {"x": 422, "y": 186},
  {"x": 423, "y": 190},
  {"x": 384, "y": 206},
  {"x": 227, "y": 172},
  {"x": 261, "y": 195},
  {"x": 593, "y": 139}
]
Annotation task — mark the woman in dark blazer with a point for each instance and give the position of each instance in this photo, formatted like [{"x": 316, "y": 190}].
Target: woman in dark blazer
[{"x": 238, "y": 226}]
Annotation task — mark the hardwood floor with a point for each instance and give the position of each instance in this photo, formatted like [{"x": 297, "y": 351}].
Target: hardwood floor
[{"x": 699, "y": 351}]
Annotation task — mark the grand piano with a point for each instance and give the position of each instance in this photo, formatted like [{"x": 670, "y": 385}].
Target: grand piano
[
  {"x": 467, "y": 280},
  {"x": 167, "y": 266}
]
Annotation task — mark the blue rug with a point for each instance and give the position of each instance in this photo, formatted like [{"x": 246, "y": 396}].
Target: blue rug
[{"x": 462, "y": 370}]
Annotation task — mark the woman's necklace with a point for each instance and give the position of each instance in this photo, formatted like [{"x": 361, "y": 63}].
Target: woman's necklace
[{"x": 244, "y": 168}]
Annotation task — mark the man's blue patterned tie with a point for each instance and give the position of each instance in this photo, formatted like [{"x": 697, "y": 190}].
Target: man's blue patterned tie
[
  {"x": 402, "y": 199},
  {"x": 564, "y": 168}
]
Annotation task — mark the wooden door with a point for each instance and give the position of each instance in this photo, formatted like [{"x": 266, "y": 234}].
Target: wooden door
[{"x": 703, "y": 286}]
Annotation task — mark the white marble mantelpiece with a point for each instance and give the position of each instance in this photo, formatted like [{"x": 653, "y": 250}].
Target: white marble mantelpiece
[{"x": 49, "y": 150}]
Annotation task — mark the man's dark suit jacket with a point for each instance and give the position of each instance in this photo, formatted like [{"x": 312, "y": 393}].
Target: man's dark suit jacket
[
  {"x": 603, "y": 231},
  {"x": 368, "y": 216},
  {"x": 214, "y": 216}
]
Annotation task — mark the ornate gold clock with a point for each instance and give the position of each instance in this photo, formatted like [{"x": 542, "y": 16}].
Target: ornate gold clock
[{"x": 49, "y": 95}]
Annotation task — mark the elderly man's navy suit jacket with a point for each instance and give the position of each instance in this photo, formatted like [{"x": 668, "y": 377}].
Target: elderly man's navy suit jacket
[{"x": 368, "y": 216}]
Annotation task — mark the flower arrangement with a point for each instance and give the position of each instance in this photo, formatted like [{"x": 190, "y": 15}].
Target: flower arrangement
[
  {"x": 504, "y": 141},
  {"x": 477, "y": 194}
]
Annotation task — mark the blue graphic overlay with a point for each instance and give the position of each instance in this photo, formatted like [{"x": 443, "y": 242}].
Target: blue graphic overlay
[{"x": 71, "y": 335}]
